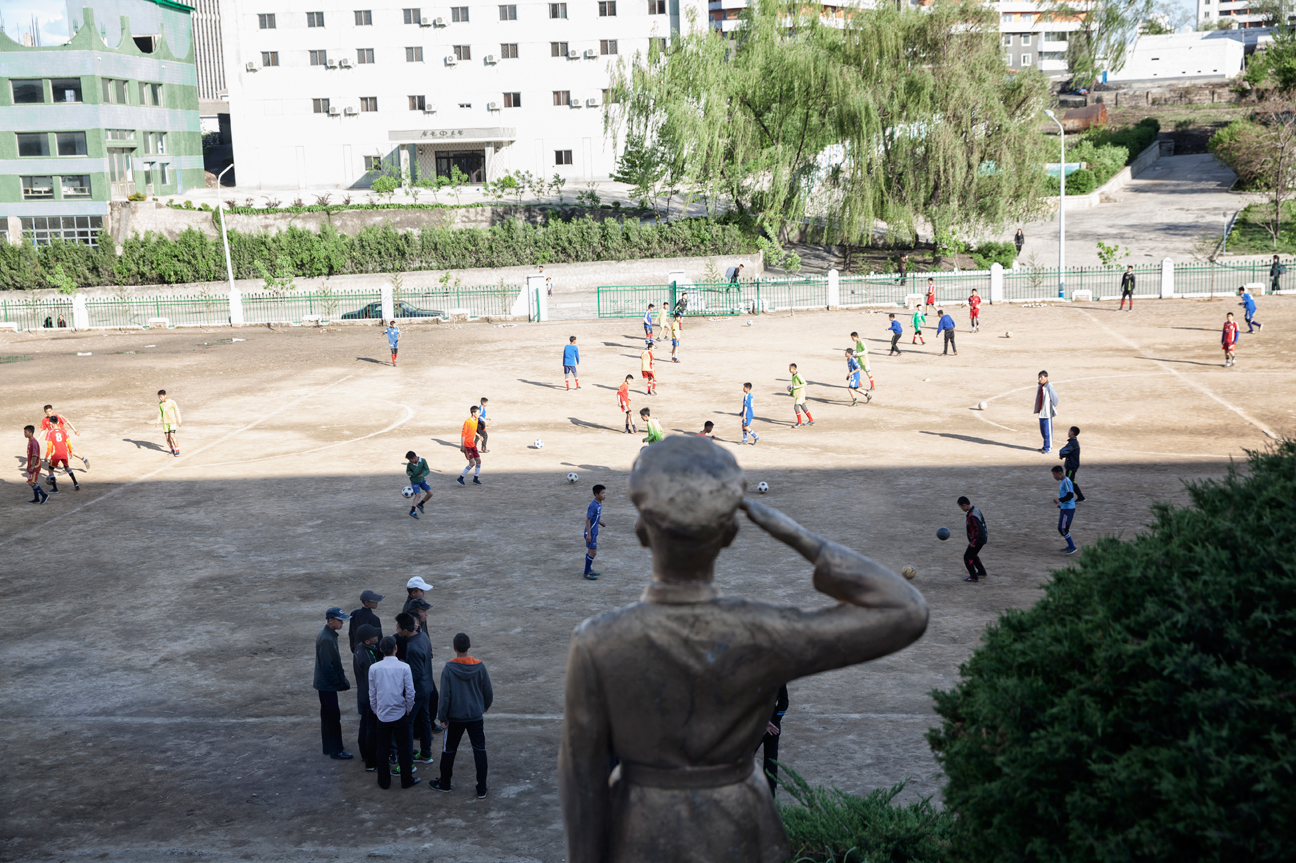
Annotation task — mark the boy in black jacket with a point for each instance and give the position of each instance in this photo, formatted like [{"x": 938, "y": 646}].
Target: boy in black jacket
[
  {"x": 977, "y": 536},
  {"x": 1071, "y": 452},
  {"x": 466, "y": 695}
]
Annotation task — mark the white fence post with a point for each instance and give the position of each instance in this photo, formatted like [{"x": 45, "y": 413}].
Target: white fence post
[
  {"x": 537, "y": 288},
  {"x": 80, "y": 314},
  {"x": 388, "y": 304},
  {"x": 834, "y": 290},
  {"x": 996, "y": 283},
  {"x": 1167, "y": 279},
  {"x": 236, "y": 307}
]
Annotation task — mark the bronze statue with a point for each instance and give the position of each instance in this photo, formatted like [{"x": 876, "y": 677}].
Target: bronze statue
[{"x": 678, "y": 687}]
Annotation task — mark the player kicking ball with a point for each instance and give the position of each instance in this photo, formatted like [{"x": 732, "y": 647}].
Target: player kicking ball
[
  {"x": 169, "y": 420},
  {"x": 56, "y": 453},
  {"x": 468, "y": 446},
  {"x": 417, "y": 470},
  {"x": 853, "y": 378},
  {"x": 593, "y": 521},
  {"x": 52, "y": 420}
]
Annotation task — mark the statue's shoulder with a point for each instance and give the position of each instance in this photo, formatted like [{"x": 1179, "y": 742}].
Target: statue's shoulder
[{"x": 592, "y": 628}]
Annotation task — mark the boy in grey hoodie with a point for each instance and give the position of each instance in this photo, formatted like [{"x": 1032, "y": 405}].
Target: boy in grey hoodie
[{"x": 466, "y": 695}]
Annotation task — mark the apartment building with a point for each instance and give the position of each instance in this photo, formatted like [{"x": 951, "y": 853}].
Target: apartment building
[
  {"x": 1032, "y": 36},
  {"x": 1234, "y": 13},
  {"x": 327, "y": 94},
  {"x": 112, "y": 112}
]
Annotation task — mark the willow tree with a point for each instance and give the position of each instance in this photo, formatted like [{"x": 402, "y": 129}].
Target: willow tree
[{"x": 883, "y": 115}]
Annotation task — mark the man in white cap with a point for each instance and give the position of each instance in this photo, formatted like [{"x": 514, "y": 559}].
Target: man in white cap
[
  {"x": 415, "y": 587},
  {"x": 330, "y": 679}
]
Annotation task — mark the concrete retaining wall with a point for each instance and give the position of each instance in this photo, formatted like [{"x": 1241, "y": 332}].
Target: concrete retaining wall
[
  {"x": 1105, "y": 193},
  {"x": 1148, "y": 96}
]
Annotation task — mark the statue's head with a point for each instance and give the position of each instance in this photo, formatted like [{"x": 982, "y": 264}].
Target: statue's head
[{"x": 687, "y": 490}]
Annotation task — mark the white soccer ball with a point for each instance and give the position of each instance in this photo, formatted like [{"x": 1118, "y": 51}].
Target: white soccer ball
[
  {"x": 1008, "y": 335},
  {"x": 572, "y": 477},
  {"x": 408, "y": 491},
  {"x": 539, "y": 444},
  {"x": 981, "y": 406},
  {"x": 762, "y": 487}
]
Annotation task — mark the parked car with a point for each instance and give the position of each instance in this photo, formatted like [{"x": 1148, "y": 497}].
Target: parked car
[{"x": 402, "y": 310}]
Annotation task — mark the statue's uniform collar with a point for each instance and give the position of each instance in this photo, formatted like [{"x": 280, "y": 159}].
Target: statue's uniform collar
[{"x": 679, "y": 594}]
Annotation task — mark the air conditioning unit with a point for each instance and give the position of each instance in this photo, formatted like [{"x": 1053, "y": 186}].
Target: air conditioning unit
[
  {"x": 590, "y": 53},
  {"x": 592, "y": 102},
  {"x": 251, "y": 67},
  {"x": 350, "y": 112},
  {"x": 429, "y": 109},
  {"x": 332, "y": 64},
  {"x": 574, "y": 103},
  {"x": 573, "y": 54},
  {"x": 490, "y": 58},
  {"x": 334, "y": 112},
  {"x": 440, "y": 22},
  {"x": 451, "y": 60},
  {"x": 492, "y": 106},
  {"x": 425, "y": 22},
  {"x": 344, "y": 63}
]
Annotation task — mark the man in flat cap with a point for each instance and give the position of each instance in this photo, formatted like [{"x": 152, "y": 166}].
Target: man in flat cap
[
  {"x": 365, "y": 615},
  {"x": 679, "y": 687},
  {"x": 365, "y": 655},
  {"x": 330, "y": 679}
]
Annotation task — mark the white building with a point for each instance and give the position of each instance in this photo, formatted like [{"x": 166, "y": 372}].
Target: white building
[
  {"x": 1181, "y": 57},
  {"x": 326, "y": 95}
]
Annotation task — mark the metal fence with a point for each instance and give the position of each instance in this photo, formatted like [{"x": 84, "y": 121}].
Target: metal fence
[
  {"x": 1201, "y": 280},
  {"x": 708, "y": 298},
  {"x": 31, "y": 313},
  {"x": 129, "y": 312}
]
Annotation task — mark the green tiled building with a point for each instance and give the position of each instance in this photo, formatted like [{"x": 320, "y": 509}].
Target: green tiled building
[{"x": 111, "y": 113}]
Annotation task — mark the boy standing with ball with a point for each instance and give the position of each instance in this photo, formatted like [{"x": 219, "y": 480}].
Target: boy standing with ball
[
  {"x": 593, "y": 521},
  {"x": 748, "y": 409},
  {"x": 976, "y": 536},
  {"x": 417, "y": 470}
]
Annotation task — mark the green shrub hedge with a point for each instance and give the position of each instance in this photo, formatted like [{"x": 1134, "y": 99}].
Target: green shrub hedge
[
  {"x": 1145, "y": 708},
  {"x": 194, "y": 257},
  {"x": 1135, "y": 139},
  {"x": 985, "y": 254}
]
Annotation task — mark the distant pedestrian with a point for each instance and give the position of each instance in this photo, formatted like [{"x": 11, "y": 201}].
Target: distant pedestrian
[
  {"x": 904, "y": 269},
  {"x": 1071, "y": 464},
  {"x": 593, "y": 521},
  {"x": 366, "y": 653},
  {"x": 896, "y": 332},
  {"x": 1127, "y": 287},
  {"x": 735, "y": 274},
  {"x": 417, "y": 470},
  {"x": 481, "y": 424},
  {"x": 1248, "y": 310},
  {"x": 1229, "y": 340},
  {"x": 571, "y": 363},
  {"x": 798, "y": 390},
  {"x": 974, "y": 311},
  {"x": 945, "y": 325},
  {"x": 1046, "y": 402},
  {"x": 1066, "y": 503},
  {"x": 392, "y": 332},
  {"x": 977, "y": 536},
  {"x": 1019, "y": 240},
  {"x": 169, "y": 420},
  {"x": 365, "y": 615},
  {"x": 466, "y": 696},
  {"x": 391, "y": 694},
  {"x": 1276, "y": 270},
  {"x": 930, "y": 299},
  {"x": 770, "y": 742},
  {"x": 330, "y": 679},
  {"x": 549, "y": 285}
]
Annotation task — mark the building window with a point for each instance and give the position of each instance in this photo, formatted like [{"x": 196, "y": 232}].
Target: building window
[
  {"x": 37, "y": 188},
  {"x": 1025, "y": 39},
  {"x": 557, "y": 10},
  {"x": 269, "y": 58},
  {"x": 321, "y": 106},
  {"x": 364, "y": 56},
  {"x": 1006, "y": 18},
  {"x": 658, "y": 42},
  {"x": 1055, "y": 37},
  {"x": 413, "y": 16},
  {"x": 1026, "y": 17},
  {"x": 656, "y": 7},
  {"x": 562, "y": 157},
  {"x": 1026, "y": 59},
  {"x": 417, "y": 103},
  {"x": 373, "y": 163},
  {"x": 75, "y": 186},
  {"x": 463, "y": 52},
  {"x": 121, "y": 134},
  {"x": 512, "y": 100},
  {"x": 69, "y": 229},
  {"x": 607, "y": 8},
  {"x": 508, "y": 13},
  {"x": 1007, "y": 40},
  {"x": 1008, "y": 60},
  {"x": 414, "y": 55},
  {"x": 114, "y": 91},
  {"x": 163, "y": 173},
  {"x": 465, "y": 104},
  {"x": 150, "y": 94},
  {"x": 368, "y": 103},
  {"x": 71, "y": 143},
  {"x": 364, "y": 17},
  {"x": 266, "y": 21},
  {"x": 562, "y": 97},
  {"x": 607, "y": 46},
  {"x": 319, "y": 58},
  {"x": 459, "y": 14},
  {"x": 33, "y": 144},
  {"x": 29, "y": 92},
  {"x": 314, "y": 19},
  {"x": 155, "y": 142},
  {"x": 508, "y": 51},
  {"x": 66, "y": 90},
  {"x": 557, "y": 49}
]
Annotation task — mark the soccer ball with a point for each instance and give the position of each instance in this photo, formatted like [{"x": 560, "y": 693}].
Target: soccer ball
[
  {"x": 1008, "y": 335},
  {"x": 943, "y": 534},
  {"x": 572, "y": 477},
  {"x": 762, "y": 487},
  {"x": 909, "y": 572},
  {"x": 408, "y": 491},
  {"x": 789, "y": 388},
  {"x": 981, "y": 406},
  {"x": 539, "y": 444}
]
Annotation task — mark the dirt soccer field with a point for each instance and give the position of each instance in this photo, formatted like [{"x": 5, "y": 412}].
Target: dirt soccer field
[{"x": 159, "y": 649}]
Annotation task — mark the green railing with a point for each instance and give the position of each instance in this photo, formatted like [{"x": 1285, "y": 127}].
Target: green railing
[
  {"x": 184, "y": 310},
  {"x": 705, "y": 298},
  {"x": 30, "y": 313},
  {"x": 1041, "y": 283},
  {"x": 264, "y": 307},
  {"x": 770, "y": 295},
  {"x": 1221, "y": 278}
]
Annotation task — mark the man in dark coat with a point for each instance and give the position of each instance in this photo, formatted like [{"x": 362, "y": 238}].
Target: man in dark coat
[
  {"x": 366, "y": 654},
  {"x": 365, "y": 615},
  {"x": 330, "y": 679}
]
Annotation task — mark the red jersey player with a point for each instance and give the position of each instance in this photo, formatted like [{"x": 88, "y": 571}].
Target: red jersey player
[
  {"x": 56, "y": 453},
  {"x": 1228, "y": 340},
  {"x": 32, "y": 470},
  {"x": 931, "y": 295},
  {"x": 50, "y": 420},
  {"x": 623, "y": 400},
  {"x": 974, "y": 310}
]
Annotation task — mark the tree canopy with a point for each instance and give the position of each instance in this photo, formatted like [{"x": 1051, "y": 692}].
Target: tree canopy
[{"x": 884, "y": 114}]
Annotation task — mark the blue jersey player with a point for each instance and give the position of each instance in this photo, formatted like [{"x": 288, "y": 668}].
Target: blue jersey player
[
  {"x": 593, "y": 521},
  {"x": 1066, "y": 503},
  {"x": 853, "y": 378},
  {"x": 648, "y": 325},
  {"x": 747, "y": 409},
  {"x": 392, "y": 333}
]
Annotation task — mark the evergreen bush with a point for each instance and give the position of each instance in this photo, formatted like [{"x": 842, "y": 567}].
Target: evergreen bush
[
  {"x": 1081, "y": 182},
  {"x": 985, "y": 254},
  {"x": 1145, "y": 708}
]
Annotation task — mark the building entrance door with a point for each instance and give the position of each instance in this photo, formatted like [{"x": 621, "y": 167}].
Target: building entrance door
[
  {"x": 470, "y": 162},
  {"x": 120, "y": 175}
]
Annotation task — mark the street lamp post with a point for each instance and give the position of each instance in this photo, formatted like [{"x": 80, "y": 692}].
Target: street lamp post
[
  {"x": 220, "y": 205},
  {"x": 1061, "y": 210}
]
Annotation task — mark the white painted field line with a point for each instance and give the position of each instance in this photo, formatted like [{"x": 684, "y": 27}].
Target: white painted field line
[
  {"x": 409, "y": 414},
  {"x": 173, "y": 464}
]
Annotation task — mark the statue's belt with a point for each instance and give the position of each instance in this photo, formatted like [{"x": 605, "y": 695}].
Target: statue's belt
[{"x": 712, "y": 776}]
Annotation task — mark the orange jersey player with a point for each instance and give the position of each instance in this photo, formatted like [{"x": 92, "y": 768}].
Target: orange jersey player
[
  {"x": 623, "y": 400},
  {"x": 50, "y": 420},
  {"x": 468, "y": 446},
  {"x": 56, "y": 453}
]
